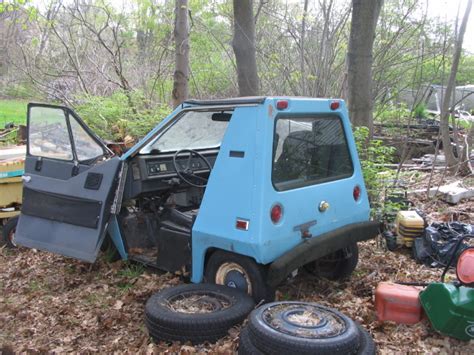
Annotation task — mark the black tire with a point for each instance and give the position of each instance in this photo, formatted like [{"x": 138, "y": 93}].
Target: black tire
[
  {"x": 239, "y": 271},
  {"x": 272, "y": 333},
  {"x": 9, "y": 232},
  {"x": 336, "y": 266},
  {"x": 246, "y": 346},
  {"x": 166, "y": 323},
  {"x": 367, "y": 344}
]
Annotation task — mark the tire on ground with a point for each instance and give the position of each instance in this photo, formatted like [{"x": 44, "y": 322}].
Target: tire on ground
[
  {"x": 9, "y": 232},
  {"x": 336, "y": 266},
  {"x": 195, "y": 312},
  {"x": 367, "y": 344},
  {"x": 302, "y": 328},
  {"x": 239, "y": 271},
  {"x": 246, "y": 346}
]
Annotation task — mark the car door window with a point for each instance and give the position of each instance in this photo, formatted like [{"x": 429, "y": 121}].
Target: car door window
[
  {"x": 48, "y": 134},
  {"x": 86, "y": 147}
]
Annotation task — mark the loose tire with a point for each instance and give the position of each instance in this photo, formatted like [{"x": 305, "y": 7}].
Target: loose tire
[
  {"x": 9, "y": 232},
  {"x": 302, "y": 328},
  {"x": 246, "y": 346},
  {"x": 195, "y": 312},
  {"x": 367, "y": 345},
  {"x": 241, "y": 272},
  {"x": 336, "y": 266}
]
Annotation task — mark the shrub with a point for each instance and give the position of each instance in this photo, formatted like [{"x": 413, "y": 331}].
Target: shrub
[
  {"x": 113, "y": 117},
  {"x": 373, "y": 155}
]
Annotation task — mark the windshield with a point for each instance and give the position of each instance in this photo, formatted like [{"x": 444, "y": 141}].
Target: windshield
[{"x": 193, "y": 130}]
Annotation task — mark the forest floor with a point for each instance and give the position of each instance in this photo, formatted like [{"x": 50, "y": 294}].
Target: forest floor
[{"x": 49, "y": 303}]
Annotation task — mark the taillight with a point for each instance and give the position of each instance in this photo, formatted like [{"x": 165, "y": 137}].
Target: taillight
[
  {"x": 276, "y": 213},
  {"x": 356, "y": 193},
  {"x": 334, "y": 105},
  {"x": 282, "y": 104}
]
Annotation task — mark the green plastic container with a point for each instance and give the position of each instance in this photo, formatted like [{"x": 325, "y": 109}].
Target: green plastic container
[{"x": 450, "y": 309}]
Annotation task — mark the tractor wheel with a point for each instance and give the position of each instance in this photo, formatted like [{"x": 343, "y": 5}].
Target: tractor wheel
[
  {"x": 241, "y": 272},
  {"x": 195, "y": 312},
  {"x": 302, "y": 328},
  {"x": 9, "y": 232},
  {"x": 336, "y": 266}
]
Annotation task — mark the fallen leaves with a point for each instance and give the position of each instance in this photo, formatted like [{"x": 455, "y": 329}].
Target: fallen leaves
[{"x": 49, "y": 303}]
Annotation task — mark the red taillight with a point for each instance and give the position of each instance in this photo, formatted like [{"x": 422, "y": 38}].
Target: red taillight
[
  {"x": 275, "y": 213},
  {"x": 282, "y": 104},
  {"x": 356, "y": 193},
  {"x": 334, "y": 105}
]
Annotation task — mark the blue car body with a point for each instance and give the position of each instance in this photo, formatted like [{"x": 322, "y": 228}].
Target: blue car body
[{"x": 235, "y": 214}]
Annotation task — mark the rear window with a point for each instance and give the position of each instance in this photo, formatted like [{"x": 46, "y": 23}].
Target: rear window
[{"x": 309, "y": 150}]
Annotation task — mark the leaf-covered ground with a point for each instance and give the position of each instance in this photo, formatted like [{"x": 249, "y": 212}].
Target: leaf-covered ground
[{"x": 52, "y": 303}]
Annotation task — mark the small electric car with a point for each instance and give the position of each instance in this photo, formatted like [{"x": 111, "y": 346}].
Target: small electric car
[{"x": 240, "y": 192}]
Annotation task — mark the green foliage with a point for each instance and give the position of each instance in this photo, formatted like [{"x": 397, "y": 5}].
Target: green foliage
[
  {"x": 373, "y": 155},
  {"x": 113, "y": 117},
  {"x": 393, "y": 113},
  {"x": 420, "y": 111}
]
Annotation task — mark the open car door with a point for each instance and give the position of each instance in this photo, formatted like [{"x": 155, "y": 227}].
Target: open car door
[{"x": 68, "y": 186}]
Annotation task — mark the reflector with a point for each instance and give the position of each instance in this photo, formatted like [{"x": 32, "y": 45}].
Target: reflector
[{"x": 465, "y": 267}]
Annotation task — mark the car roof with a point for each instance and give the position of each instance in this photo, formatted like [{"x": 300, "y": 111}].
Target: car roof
[{"x": 246, "y": 100}]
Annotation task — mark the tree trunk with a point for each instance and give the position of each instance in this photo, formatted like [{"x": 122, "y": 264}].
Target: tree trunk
[
  {"x": 243, "y": 44},
  {"x": 181, "y": 39},
  {"x": 451, "y": 160},
  {"x": 365, "y": 14}
]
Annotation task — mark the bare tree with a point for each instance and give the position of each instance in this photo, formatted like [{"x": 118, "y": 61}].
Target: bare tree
[
  {"x": 244, "y": 47},
  {"x": 359, "y": 61},
  {"x": 181, "y": 39},
  {"x": 451, "y": 160}
]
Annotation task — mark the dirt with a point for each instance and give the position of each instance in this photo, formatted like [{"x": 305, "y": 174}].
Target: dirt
[{"x": 50, "y": 303}]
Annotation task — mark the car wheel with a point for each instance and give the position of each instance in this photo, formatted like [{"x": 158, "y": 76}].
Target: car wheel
[
  {"x": 246, "y": 346},
  {"x": 302, "y": 328},
  {"x": 9, "y": 230},
  {"x": 241, "y": 272},
  {"x": 336, "y": 266},
  {"x": 195, "y": 312},
  {"x": 367, "y": 345}
]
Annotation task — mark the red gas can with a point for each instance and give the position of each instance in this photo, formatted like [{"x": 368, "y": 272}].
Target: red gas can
[{"x": 398, "y": 303}]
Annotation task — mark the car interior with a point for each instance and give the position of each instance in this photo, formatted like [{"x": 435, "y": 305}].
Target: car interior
[{"x": 164, "y": 186}]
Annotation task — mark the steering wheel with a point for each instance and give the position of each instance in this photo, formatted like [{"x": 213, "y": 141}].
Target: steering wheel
[{"x": 187, "y": 173}]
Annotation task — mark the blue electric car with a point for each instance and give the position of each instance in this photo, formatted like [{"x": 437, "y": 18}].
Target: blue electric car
[{"x": 240, "y": 192}]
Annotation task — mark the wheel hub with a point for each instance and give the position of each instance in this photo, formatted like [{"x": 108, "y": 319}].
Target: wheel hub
[{"x": 233, "y": 275}]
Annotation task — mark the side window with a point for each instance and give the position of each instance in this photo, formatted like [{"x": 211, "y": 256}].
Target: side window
[
  {"x": 86, "y": 147},
  {"x": 48, "y": 134},
  {"x": 309, "y": 150}
]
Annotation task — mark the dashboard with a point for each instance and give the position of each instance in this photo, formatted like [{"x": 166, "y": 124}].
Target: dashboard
[{"x": 152, "y": 173}]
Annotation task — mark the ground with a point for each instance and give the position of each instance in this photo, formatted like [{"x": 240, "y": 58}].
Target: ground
[
  {"x": 12, "y": 111},
  {"x": 52, "y": 303}
]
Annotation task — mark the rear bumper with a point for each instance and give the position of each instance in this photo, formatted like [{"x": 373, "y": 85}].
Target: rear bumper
[{"x": 318, "y": 247}]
